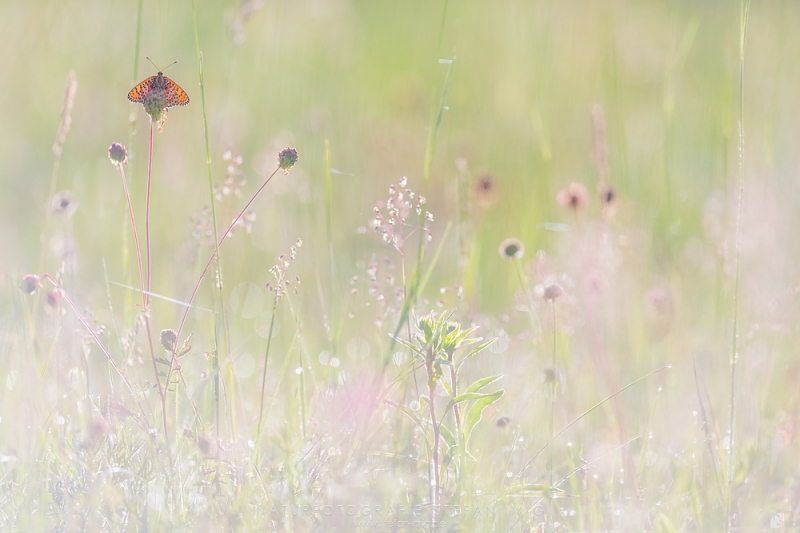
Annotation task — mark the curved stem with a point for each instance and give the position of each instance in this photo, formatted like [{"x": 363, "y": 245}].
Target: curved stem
[
  {"x": 214, "y": 252},
  {"x": 100, "y": 344}
]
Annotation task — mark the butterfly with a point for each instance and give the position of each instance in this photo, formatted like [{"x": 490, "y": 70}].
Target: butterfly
[{"x": 158, "y": 85}]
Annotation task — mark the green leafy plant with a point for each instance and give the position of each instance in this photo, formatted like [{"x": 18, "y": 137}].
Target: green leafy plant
[{"x": 441, "y": 346}]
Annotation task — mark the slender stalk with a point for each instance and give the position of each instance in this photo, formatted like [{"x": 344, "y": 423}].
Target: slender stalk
[
  {"x": 523, "y": 283},
  {"x": 146, "y": 295},
  {"x": 135, "y": 233},
  {"x": 264, "y": 375},
  {"x": 302, "y": 369},
  {"x": 744, "y": 13},
  {"x": 131, "y": 133},
  {"x": 225, "y": 336},
  {"x": 214, "y": 253},
  {"x": 553, "y": 397},
  {"x": 100, "y": 344},
  {"x": 454, "y": 388},
  {"x": 435, "y": 454}
]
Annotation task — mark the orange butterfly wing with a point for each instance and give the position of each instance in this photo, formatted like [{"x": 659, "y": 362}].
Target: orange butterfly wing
[
  {"x": 175, "y": 95},
  {"x": 138, "y": 93}
]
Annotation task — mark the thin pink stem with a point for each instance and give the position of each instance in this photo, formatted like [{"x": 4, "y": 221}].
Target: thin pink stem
[
  {"x": 146, "y": 297},
  {"x": 147, "y": 216},
  {"x": 135, "y": 234},
  {"x": 214, "y": 252},
  {"x": 99, "y": 343}
]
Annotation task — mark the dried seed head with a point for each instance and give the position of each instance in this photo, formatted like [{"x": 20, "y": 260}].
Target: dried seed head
[
  {"x": 574, "y": 196},
  {"x": 287, "y": 159},
  {"x": 30, "y": 284},
  {"x": 553, "y": 291},
  {"x": 512, "y": 248},
  {"x": 118, "y": 154},
  {"x": 168, "y": 339}
]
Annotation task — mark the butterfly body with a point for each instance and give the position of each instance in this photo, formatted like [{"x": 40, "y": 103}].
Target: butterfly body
[{"x": 160, "y": 88}]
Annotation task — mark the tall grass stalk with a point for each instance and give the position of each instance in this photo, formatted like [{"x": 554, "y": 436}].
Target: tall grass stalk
[
  {"x": 744, "y": 12},
  {"x": 333, "y": 326},
  {"x": 414, "y": 289},
  {"x": 264, "y": 375},
  {"x": 225, "y": 336},
  {"x": 553, "y": 393},
  {"x": 131, "y": 144}
]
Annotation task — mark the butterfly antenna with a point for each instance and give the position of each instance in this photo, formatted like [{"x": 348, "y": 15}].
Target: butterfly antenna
[
  {"x": 150, "y": 60},
  {"x": 165, "y": 68}
]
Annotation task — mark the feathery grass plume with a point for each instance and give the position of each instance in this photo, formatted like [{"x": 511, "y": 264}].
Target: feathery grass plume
[
  {"x": 574, "y": 196},
  {"x": 66, "y": 118}
]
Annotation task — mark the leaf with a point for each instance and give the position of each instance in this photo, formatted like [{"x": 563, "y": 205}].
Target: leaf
[
  {"x": 447, "y": 388},
  {"x": 407, "y": 344},
  {"x": 446, "y": 436},
  {"x": 475, "y": 412},
  {"x": 465, "y": 397},
  {"x": 474, "y": 351},
  {"x": 163, "y": 361},
  {"x": 481, "y": 383},
  {"x": 529, "y": 489}
]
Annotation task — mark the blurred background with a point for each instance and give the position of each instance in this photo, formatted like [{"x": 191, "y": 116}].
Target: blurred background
[{"x": 639, "y": 100}]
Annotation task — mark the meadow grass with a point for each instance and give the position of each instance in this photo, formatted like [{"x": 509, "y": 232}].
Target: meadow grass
[{"x": 485, "y": 269}]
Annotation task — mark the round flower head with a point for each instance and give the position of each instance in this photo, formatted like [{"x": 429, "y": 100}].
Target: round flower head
[
  {"x": 553, "y": 291},
  {"x": 168, "y": 339},
  {"x": 287, "y": 159},
  {"x": 118, "y": 154},
  {"x": 512, "y": 248},
  {"x": 30, "y": 284},
  {"x": 574, "y": 196}
]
